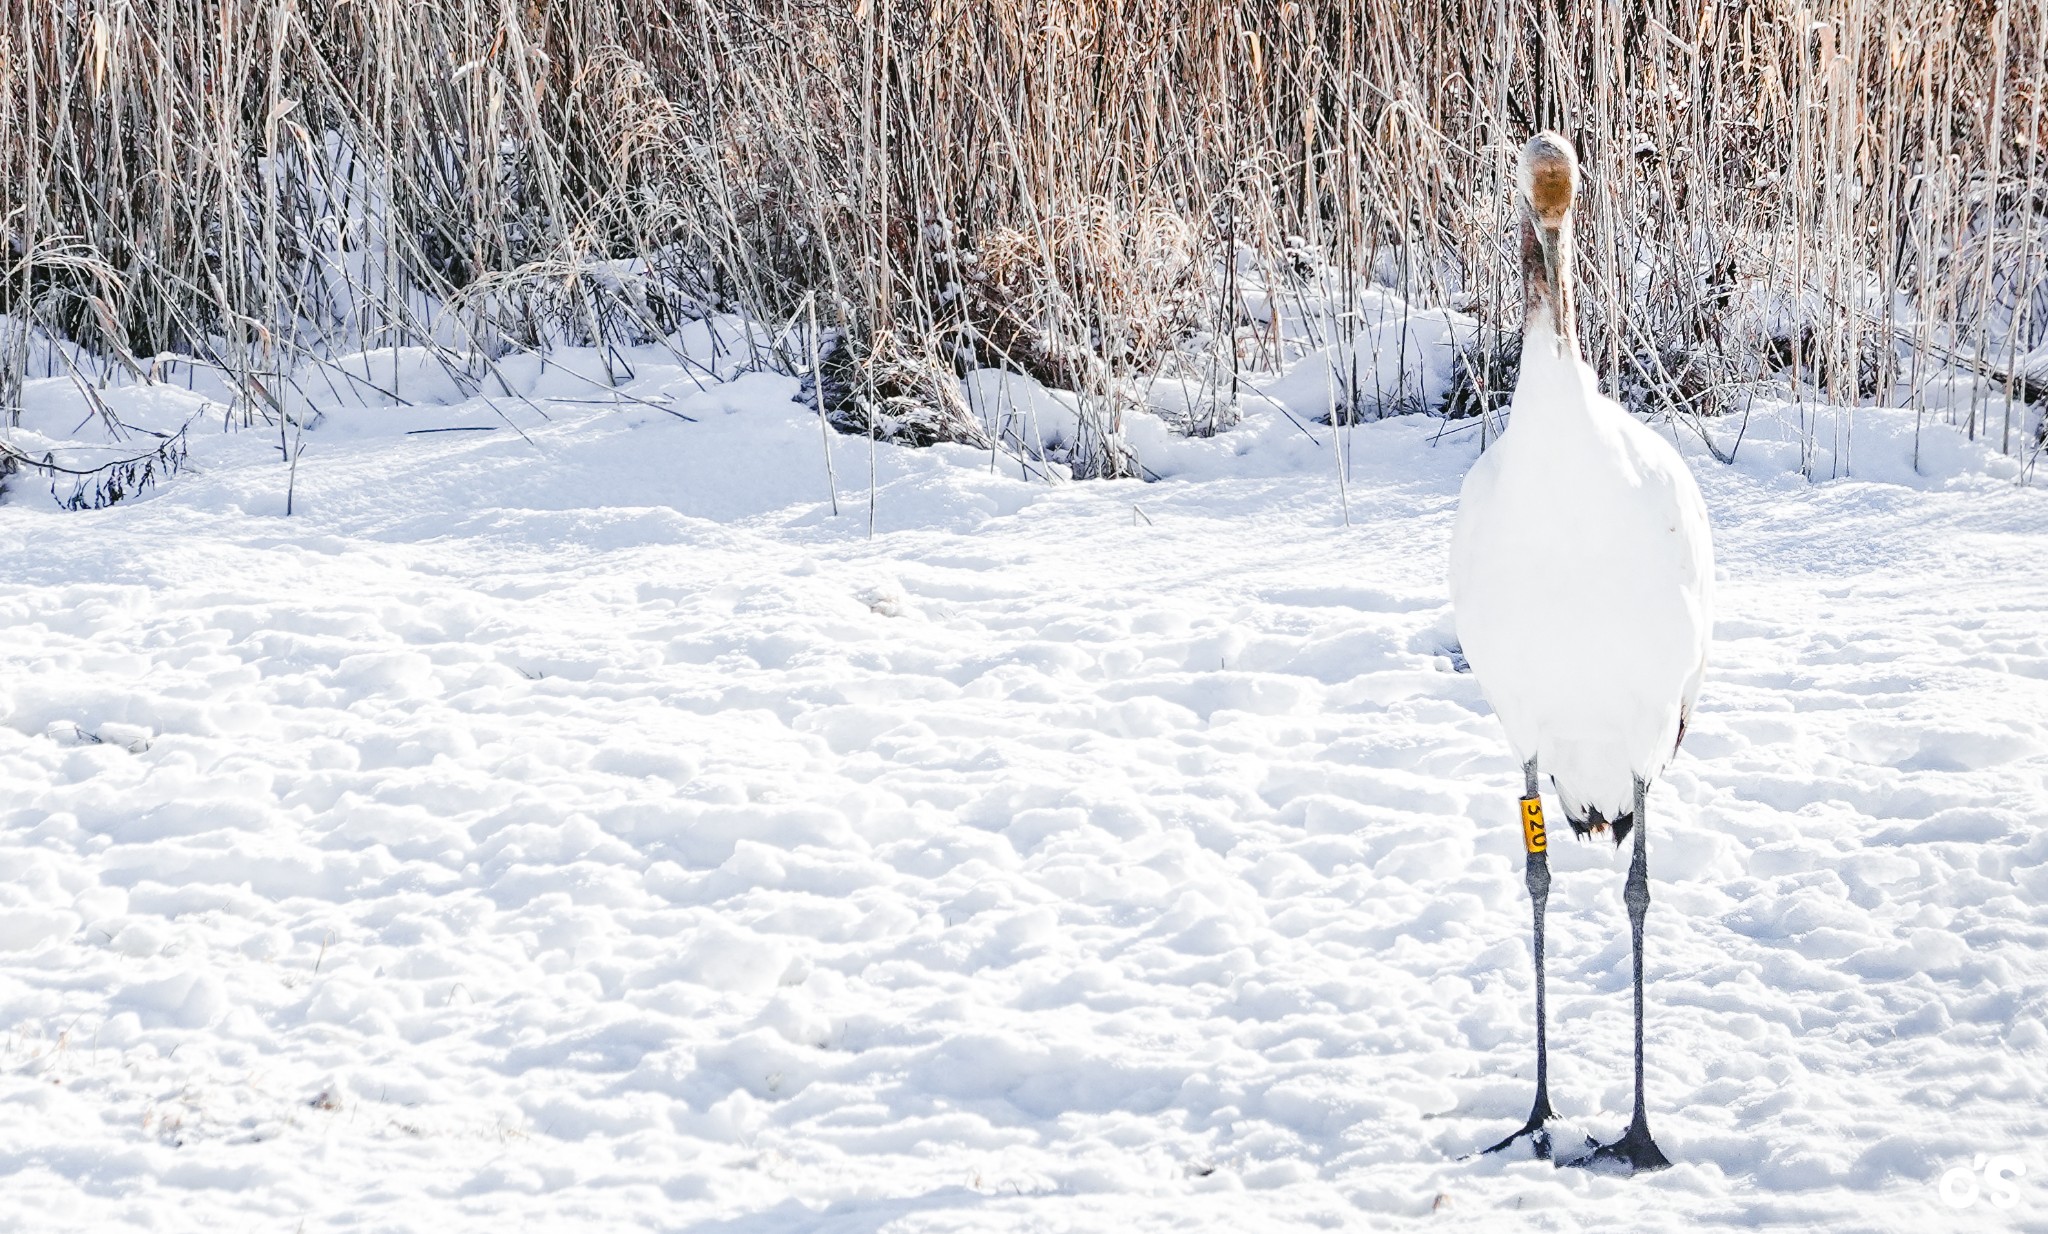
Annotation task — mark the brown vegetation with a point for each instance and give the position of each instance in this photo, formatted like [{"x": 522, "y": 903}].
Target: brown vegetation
[{"x": 1056, "y": 185}]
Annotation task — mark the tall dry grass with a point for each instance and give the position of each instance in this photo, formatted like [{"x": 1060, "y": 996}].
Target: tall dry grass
[{"x": 1849, "y": 195}]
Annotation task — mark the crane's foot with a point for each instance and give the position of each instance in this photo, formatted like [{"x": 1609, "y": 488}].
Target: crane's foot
[
  {"x": 1537, "y": 1132},
  {"x": 1634, "y": 1151}
]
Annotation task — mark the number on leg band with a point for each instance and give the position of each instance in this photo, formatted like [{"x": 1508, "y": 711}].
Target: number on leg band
[{"x": 1533, "y": 839}]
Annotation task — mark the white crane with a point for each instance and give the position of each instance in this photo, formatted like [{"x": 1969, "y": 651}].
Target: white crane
[{"x": 1581, "y": 576}]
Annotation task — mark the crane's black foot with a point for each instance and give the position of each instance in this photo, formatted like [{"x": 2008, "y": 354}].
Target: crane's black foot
[
  {"x": 1536, "y": 1131},
  {"x": 1634, "y": 1151},
  {"x": 1539, "y": 1131}
]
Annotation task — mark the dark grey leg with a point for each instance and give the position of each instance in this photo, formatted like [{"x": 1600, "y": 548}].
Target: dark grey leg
[
  {"x": 1536, "y": 874},
  {"x": 1635, "y": 1148}
]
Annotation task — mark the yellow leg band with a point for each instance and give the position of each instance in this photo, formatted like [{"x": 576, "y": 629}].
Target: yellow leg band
[{"x": 1533, "y": 838}]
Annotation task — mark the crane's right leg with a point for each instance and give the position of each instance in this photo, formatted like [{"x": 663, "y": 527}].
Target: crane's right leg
[{"x": 1536, "y": 873}]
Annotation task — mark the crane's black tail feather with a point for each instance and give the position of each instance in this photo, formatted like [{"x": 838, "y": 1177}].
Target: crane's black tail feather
[{"x": 1591, "y": 823}]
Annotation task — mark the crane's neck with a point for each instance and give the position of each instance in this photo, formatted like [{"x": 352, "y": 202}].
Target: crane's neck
[{"x": 1549, "y": 315}]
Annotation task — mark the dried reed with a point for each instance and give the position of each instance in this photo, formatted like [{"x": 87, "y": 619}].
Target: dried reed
[{"x": 1846, "y": 195}]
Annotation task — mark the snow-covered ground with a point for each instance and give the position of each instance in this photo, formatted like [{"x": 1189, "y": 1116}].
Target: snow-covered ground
[{"x": 588, "y": 831}]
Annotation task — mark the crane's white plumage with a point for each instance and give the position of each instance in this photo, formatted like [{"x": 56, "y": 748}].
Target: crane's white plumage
[
  {"x": 1582, "y": 575},
  {"x": 1581, "y": 563}
]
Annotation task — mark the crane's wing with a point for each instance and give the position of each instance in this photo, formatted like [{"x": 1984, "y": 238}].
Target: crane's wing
[{"x": 1670, "y": 482}]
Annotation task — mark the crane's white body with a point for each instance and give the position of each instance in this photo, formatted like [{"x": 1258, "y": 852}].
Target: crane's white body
[{"x": 1582, "y": 580}]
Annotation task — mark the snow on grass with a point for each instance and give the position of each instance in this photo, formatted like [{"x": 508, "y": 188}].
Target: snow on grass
[{"x": 584, "y": 829}]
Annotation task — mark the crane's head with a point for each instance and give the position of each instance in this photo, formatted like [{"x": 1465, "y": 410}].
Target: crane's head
[{"x": 1546, "y": 180}]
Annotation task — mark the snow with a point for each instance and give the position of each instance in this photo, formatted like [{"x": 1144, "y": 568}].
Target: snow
[
  {"x": 584, "y": 829},
  {"x": 1396, "y": 359},
  {"x": 1582, "y": 571}
]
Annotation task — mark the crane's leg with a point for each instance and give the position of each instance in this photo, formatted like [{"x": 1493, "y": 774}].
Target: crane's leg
[
  {"x": 1536, "y": 873},
  {"x": 1635, "y": 1149}
]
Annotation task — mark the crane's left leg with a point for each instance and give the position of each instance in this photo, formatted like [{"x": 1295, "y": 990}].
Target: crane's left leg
[{"x": 1635, "y": 1149}]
